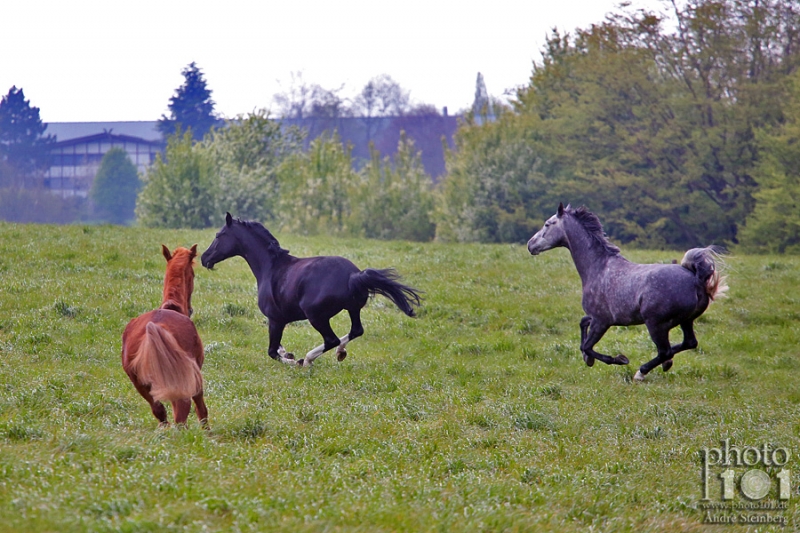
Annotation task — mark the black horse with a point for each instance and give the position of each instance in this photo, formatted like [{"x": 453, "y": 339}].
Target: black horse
[
  {"x": 617, "y": 292},
  {"x": 313, "y": 288}
]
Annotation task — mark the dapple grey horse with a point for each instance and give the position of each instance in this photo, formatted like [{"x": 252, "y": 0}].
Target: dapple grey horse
[{"x": 617, "y": 292}]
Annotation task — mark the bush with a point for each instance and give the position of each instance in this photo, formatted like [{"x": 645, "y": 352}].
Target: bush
[
  {"x": 180, "y": 189},
  {"x": 115, "y": 187},
  {"x": 396, "y": 201}
]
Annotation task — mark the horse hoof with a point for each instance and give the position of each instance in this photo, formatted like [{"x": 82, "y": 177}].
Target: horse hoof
[
  {"x": 639, "y": 376},
  {"x": 666, "y": 365},
  {"x": 300, "y": 362},
  {"x": 588, "y": 359},
  {"x": 621, "y": 360},
  {"x": 341, "y": 355},
  {"x": 289, "y": 356}
]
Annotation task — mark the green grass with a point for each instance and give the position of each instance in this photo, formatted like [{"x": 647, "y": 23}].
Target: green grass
[{"x": 479, "y": 415}]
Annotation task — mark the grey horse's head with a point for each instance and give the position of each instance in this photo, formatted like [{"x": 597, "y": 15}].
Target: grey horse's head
[{"x": 551, "y": 235}]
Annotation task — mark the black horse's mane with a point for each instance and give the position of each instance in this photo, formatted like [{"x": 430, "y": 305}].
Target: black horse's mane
[
  {"x": 594, "y": 228},
  {"x": 273, "y": 246}
]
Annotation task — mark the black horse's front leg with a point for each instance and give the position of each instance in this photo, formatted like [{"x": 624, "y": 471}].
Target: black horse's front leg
[{"x": 276, "y": 351}]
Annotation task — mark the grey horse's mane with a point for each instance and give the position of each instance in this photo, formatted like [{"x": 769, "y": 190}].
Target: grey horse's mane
[{"x": 594, "y": 228}]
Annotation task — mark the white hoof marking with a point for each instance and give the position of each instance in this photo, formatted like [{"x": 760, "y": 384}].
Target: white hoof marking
[{"x": 639, "y": 376}]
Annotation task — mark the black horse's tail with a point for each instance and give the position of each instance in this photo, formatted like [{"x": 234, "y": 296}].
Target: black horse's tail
[
  {"x": 706, "y": 263},
  {"x": 385, "y": 282}
]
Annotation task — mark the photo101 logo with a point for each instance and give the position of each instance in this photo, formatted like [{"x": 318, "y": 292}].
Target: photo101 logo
[{"x": 737, "y": 483}]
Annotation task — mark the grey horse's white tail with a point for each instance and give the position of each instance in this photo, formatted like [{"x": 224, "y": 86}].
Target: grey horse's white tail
[{"x": 707, "y": 264}]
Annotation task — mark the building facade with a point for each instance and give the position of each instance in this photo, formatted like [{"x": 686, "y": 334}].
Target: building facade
[{"x": 76, "y": 156}]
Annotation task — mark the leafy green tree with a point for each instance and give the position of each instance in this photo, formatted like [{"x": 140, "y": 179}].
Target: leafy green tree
[
  {"x": 191, "y": 107},
  {"x": 317, "y": 188},
  {"x": 23, "y": 145},
  {"x": 774, "y": 224},
  {"x": 395, "y": 201},
  {"x": 180, "y": 189},
  {"x": 115, "y": 187},
  {"x": 653, "y": 129},
  {"x": 496, "y": 189},
  {"x": 248, "y": 153}
]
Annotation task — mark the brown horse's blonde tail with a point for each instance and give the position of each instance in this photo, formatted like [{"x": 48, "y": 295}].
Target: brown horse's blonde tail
[{"x": 161, "y": 363}]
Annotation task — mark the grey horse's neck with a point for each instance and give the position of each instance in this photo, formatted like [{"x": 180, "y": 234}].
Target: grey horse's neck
[{"x": 589, "y": 256}]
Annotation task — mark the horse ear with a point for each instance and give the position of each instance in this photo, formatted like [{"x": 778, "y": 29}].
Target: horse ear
[
  {"x": 560, "y": 209},
  {"x": 166, "y": 252},
  {"x": 228, "y": 219},
  {"x": 193, "y": 251}
]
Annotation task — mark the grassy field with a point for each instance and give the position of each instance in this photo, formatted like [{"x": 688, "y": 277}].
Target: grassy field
[{"x": 479, "y": 415}]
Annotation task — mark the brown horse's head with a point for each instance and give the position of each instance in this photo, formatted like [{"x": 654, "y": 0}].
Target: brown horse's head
[{"x": 179, "y": 279}]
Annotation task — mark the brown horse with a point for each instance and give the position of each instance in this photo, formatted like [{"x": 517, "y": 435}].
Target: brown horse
[{"x": 161, "y": 350}]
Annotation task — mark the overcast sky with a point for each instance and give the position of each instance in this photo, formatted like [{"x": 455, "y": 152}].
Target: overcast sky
[{"x": 101, "y": 60}]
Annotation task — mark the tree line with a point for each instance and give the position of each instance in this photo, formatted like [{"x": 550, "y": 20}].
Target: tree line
[
  {"x": 678, "y": 128},
  {"x": 259, "y": 169}
]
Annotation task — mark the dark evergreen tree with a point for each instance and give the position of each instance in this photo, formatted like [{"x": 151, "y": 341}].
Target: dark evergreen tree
[
  {"x": 23, "y": 145},
  {"x": 191, "y": 107},
  {"x": 115, "y": 187}
]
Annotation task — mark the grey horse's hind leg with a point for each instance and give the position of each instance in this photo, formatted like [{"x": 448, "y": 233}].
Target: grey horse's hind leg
[
  {"x": 595, "y": 332},
  {"x": 689, "y": 343},
  {"x": 659, "y": 333}
]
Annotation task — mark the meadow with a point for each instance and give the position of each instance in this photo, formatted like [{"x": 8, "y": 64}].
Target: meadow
[{"x": 479, "y": 415}]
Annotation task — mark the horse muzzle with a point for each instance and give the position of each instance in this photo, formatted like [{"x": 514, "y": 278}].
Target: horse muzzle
[{"x": 207, "y": 262}]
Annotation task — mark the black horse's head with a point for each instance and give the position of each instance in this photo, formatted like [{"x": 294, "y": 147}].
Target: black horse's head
[
  {"x": 225, "y": 245},
  {"x": 238, "y": 237}
]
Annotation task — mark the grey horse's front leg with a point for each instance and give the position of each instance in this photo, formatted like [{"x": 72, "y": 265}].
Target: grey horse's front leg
[
  {"x": 589, "y": 338},
  {"x": 585, "y": 322}
]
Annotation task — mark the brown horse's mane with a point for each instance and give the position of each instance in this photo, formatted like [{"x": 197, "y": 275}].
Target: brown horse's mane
[
  {"x": 594, "y": 228},
  {"x": 175, "y": 296}
]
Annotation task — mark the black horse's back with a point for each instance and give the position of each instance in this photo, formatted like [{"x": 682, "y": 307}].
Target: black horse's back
[
  {"x": 305, "y": 288},
  {"x": 386, "y": 283}
]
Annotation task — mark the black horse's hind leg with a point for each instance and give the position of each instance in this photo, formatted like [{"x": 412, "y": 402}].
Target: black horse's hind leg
[
  {"x": 659, "y": 333},
  {"x": 330, "y": 340},
  {"x": 595, "y": 332},
  {"x": 356, "y": 330},
  {"x": 689, "y": 343}
]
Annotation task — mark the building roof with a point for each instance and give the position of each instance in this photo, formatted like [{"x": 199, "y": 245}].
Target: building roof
[
  {"x": 105, "y": 136},
  {"x": 65, "y": 131}
]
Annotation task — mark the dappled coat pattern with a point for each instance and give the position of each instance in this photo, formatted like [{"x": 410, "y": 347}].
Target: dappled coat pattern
[{"x": 617, "y": 292}]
